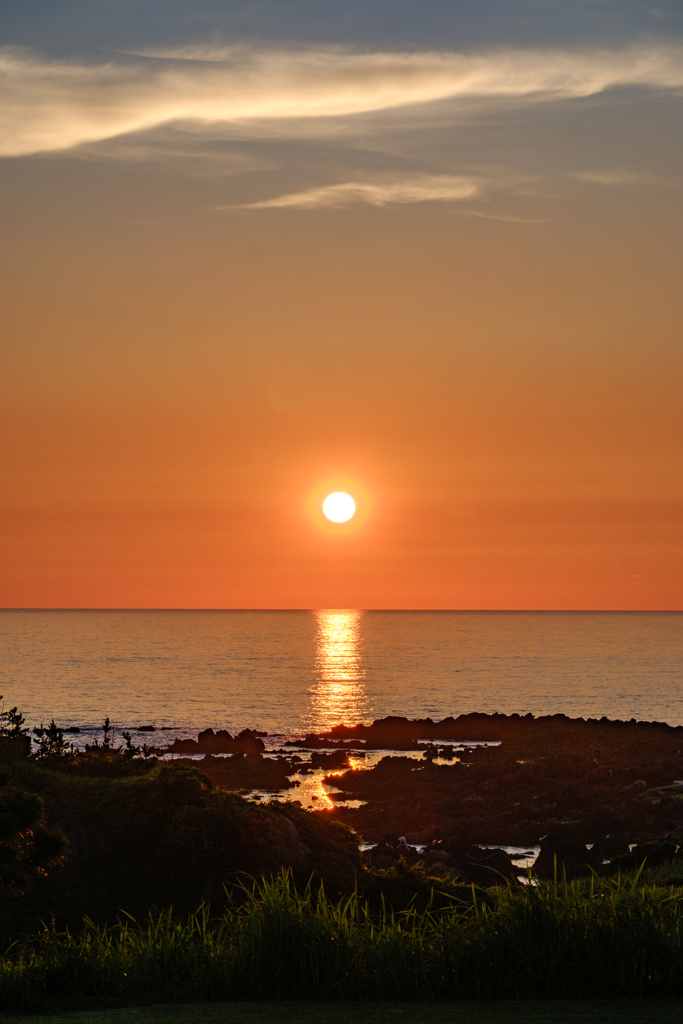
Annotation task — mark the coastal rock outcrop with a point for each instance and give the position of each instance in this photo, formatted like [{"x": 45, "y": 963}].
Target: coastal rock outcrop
[
  {"x": 209, "y": 742},
  {"x": 596, "y": 782}
]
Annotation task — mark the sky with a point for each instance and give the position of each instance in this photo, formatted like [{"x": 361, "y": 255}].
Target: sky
[{"x": 428, "y": 254}]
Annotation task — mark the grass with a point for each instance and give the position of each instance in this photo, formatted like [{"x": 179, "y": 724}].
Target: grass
[
  {"x": 481, "y": 1012},
  {"x": 617, "y": 939},
  {"x": 663, "y": 873}
]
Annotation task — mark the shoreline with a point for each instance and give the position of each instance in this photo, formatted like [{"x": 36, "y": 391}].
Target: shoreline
[{"x": 488, "y": 780}]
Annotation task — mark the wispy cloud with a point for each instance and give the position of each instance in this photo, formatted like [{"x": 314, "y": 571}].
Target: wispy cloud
[
  {"x": 508, "y": 218},
  {"x": 204, "y": 156},
  {"x": 52, "y": 105},
  {"x": 418, "y": 189}
]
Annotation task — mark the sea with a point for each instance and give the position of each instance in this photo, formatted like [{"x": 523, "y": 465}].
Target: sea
[{"x": 293, "y": 672}]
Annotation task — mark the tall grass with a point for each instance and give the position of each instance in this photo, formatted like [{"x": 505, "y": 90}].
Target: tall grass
[{"x": 615, "y": 938}]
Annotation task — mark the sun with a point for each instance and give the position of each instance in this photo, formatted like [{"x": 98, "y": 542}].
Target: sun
[{"x": 339, "y": 507}]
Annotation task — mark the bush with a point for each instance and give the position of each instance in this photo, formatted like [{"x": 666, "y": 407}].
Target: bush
[
  {"x": 164, "y": 838},
  {"x": 27, "y": 847}
]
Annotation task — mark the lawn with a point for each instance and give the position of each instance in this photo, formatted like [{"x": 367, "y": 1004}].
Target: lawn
[{"x": 466, "y": 1012}]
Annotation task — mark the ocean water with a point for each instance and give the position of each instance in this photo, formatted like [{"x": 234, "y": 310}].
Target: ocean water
[{"x": 290, "y": 672}]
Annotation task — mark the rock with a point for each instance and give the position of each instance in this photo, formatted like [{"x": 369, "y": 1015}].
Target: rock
[
  {"x": 609, "y": 846},
  {"x": 335, "y": 759},
  {"x": 210, "y": 742},
  {"x": 398, "y": 733},
  {"x": 221, "y": 742},
  {"x": 551, "y": 774},
  {"x": 565, "y": 855},
  {"x": 483, "y": 867},
  {"x": 315, "y": 742}
]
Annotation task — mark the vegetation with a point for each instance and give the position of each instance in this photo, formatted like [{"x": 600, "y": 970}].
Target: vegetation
[
  {"x": 566, "y": 940},
  {"x": 159, "y": 836},
  {"x": 12, "y": 723},
  {"x": 27, "y": 847},
  {"x": 289, "y": 908},
  {"x": 463, "y": 1012}
]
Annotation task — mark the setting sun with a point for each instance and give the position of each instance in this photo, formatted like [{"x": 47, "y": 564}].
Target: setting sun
[{"x": 339, "y": 507}]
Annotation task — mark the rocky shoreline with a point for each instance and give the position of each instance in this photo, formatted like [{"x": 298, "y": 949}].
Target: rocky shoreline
[{"x": 585, "y": 789}]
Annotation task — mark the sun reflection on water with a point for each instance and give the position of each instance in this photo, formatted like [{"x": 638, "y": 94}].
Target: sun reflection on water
[
  {"x": 314, "y": 793},
  {"x": 339, "y": 693}
]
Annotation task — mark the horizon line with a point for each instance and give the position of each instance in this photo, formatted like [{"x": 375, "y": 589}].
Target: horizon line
[{"x": 497, "y": 611}]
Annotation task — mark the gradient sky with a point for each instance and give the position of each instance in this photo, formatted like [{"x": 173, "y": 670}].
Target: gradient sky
[{"x": 427, "y": 253}]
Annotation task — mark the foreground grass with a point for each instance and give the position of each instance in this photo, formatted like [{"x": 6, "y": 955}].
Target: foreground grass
[
  {"x": 481, "y": 1012},
  {"x": 618, "y": 939}
]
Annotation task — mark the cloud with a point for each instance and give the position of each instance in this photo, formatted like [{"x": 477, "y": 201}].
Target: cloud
[
  {"x": 54, "y": 105},
  {"x": 418, "y": 189},
  {"x": 508, "y": 218},
  {"x": 203, "y": 156}
]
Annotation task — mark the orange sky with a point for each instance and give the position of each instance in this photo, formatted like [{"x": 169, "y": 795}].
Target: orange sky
[
  {"x": 501, "y": 379},
  {"x": 174, "y": 402}
]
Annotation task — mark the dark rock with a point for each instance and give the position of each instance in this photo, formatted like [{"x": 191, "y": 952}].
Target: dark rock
[
  {"x": 609, "y": 846},
  {"x": 315, "y": 742},
  {"x": 564, "y": 856},
  {"x": 221, "y": 742},
  {"x": 335, "y": 759},
  {"x": 477, "y": 866},
  {"x": 398, "y": 733},
  {"x": 551, "y": 774}
]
